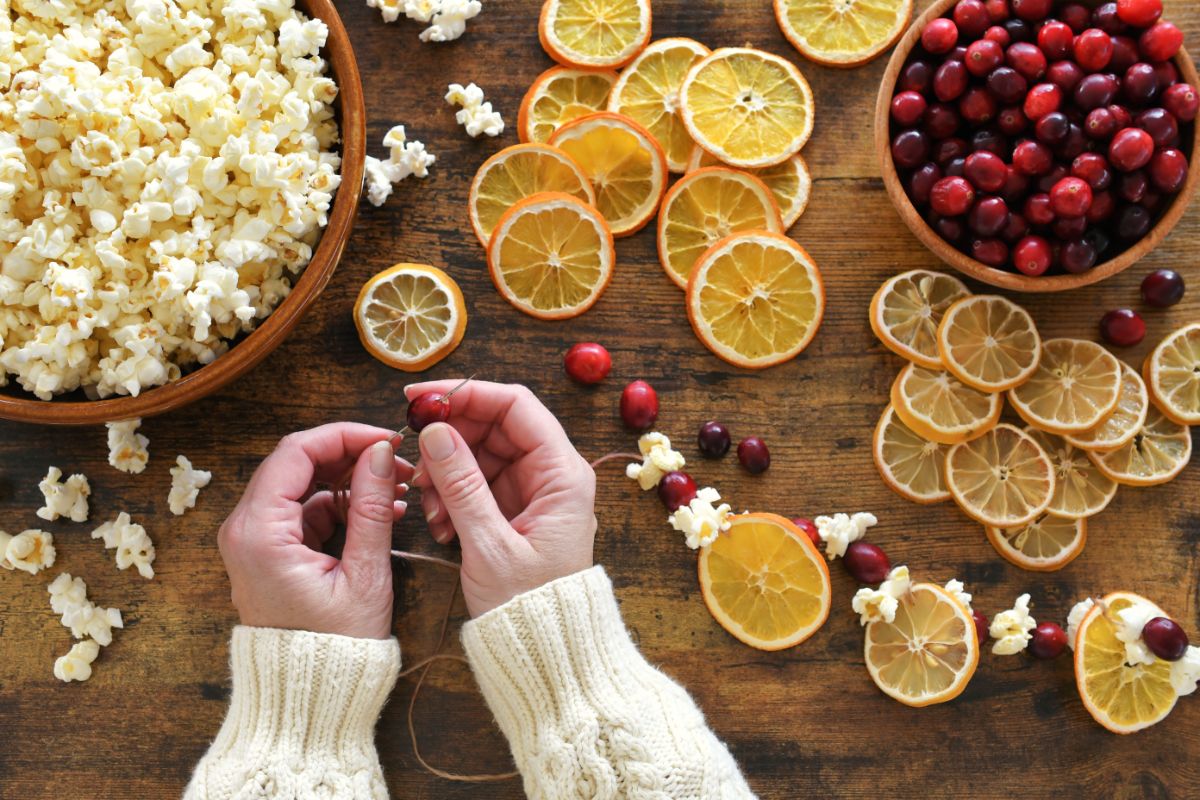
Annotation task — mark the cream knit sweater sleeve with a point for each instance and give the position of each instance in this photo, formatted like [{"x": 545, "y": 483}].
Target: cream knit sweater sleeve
[{"x": 585, "y": 715}]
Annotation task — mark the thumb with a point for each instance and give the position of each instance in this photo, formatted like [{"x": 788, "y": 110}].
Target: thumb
[
  {"x": 461, "y": 486},
  {"x": 371, "y": 513}
]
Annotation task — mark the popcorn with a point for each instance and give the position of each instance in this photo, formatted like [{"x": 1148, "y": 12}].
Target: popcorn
[
  {"x": 701, "y": 520},
  {"x": 840, "y": 530},
  {"x": 30, "y": 551},
  {"x": 76, "y": 665},
  {"x": 956, "y": 590},
  {"x": 68, "y": 499},
  {"x": 1131, "y": 620},
  {"x": 657, "y": 460},
  {"x": 127, "y": 448},
  {"x": 476, "y": 115},
  {"x": 1186, "y": 672},
  {"x": 406, "y": 158},
  {"x": 1012, "y": 628},
  {"x": 1078, "y": 612},
  {"x": 68, "y": 597},
  {"x": 880, "y": 604},
  {"x": 447, "y": 19},
  {"x": 131, "y": 542},
  {"x": 186, "y": 484},
  {"x": 66, "y": 592}
]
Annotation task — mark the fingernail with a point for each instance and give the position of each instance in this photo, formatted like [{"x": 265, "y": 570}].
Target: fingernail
[
  {"x": 401, "y": 507},
  {"x": 383, "y": 460},
  {"x": 431, "y": 507},
  {"x": 418, "y": 474},
  {"x": 402, "y": 489},
  {"x": 441, "y": 536},
  {"x": 438, "y": 441}
]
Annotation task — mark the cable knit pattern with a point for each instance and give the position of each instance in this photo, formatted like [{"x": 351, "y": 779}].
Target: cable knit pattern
[
  {"x": 301, "y": 720},
  {"x": 586, "y": 716}
]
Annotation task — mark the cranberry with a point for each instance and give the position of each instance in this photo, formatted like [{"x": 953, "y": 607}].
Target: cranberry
[
  {"x": 1031, "y": 10},
  {"x": 916, "y": 77},
  {"x": 1032, "y": 255},
  {"x": 1161, "y": 126},
  {"x": 866, "y": 562},
  {"x": 998, "y": 35},
  {"x": 952, "y": 197},
  {"x": 1055, "y": 38},
  {"x": 997, "y": 10},
  {"x": 1093, "y": 49},
  {"x": 947, "y": 150},
  {"x": 1012, "y": 121},
  {"x": 1071, "y": 197},
  {"x": 1123, "y": 327},
  {"x": 987, "y": 171},
  {"x": 1093, "y": 168},
  {"x": 1100, "y": 124},
  {"x": 1131, "y": 149},
  {"x": 676, "y": 489},
  {"x": 950, "y": 81},
  {"x": 1073, "y": 145},
  {"x": 754, "y": 455},
  {"x": 1182, "y": 101},
  {"x": 1078, "y": 256},
  {"x": 1026, "y": 59},
  {"x": 971, "y": 17},
  {"x": 808, "y": 528},
  {"x": 988, "y": 217},
  {"x": 1019, "y": 30},
  {"x": 982, "y": 630},
  {"x": 1160, "y": 42},
  {"x": 1121, "y": 115},
  {"x": 954, "y": 168},
  {"x": 1125, "y": 54},
  {"x": 1053, "y": 128},
  {"x": 908, "y": 108},
  {"x": 977, "y": 106},
  {"x": 1140, "y": 85},
  {"x": 1038, "y": 209},
  {"x": 957, "y": 54},
  {"x": 992, "y": 252},
  {"x": 426, "y": 409},
  {"x": 1168, "y": 170},
  {"x": 1163, "y": 288},
  {"x": 1042, "y": 100},
  {"x": 713, "y": 439},
  {"x": 1168, "y": 74},
  {"x": 1068, "y": 228},
  {"x": 1095, "y": 91},
  {"x": 1099, "y": 239},
  {"x": 939, "y": 36},
  {"x": 910, "y": 148},
  {"x": 1133, "y": 222},
  {"x": 1133, "y": 186},
  {"x": 1007, "y": 84},
  {"x": 941, "y": 121},
  {"x": 1165, "y": 638},
  {"x": 1106, "y": 18},
  {"x": 587, "y": 362},
  {"x": 1104, "y": 205},
  {"x": 1016, "y": 229},
  {"x": 983, "y": 56},
  {"x": 1139, "y": 13},
  {"x": 1066, "y": 75},
  {"x": 1152, "y": 201},
  {"x": 1057, "y": 172},
  {"x": 1016, "y": 188},
  {"x": 1032, "y": 158},
  {"x": 1048, "y": 641},
  {"x": 639, "y": 405},
  {"x": 949, "y": 228}
]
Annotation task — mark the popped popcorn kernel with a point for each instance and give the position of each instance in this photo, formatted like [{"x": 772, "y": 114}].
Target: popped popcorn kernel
[
  {"x": 1078, "y": 612},
  {"x": 447, "y": 19},
  {"x": 657, "y": 460},
  {"x": 64, "y": 499},
  {"x": 127, "y": 449},
  {"x": 840, "y": 530},
  {"x": 701, "y": 520},
  {"x": 132, "y": 543},
  {"x": 186, "y": 484},
  {"x": 1130, "y": 621},
  {"x": 880, "y": 604},
  {"x": 68, "y": 597},
  {"x": 405, "y": 159},
  {"x": 1012, "y": 629},
  {"x": 954, "y": 587},
  {"x": 29, "y": 551},
  {"x": 475, "y": 114},
  {"x": 76, "y": 665}
]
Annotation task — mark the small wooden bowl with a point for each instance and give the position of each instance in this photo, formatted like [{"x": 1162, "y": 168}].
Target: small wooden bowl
[
  {"x": 258, "y": 344},
  {"x": 977, "y": 269}
]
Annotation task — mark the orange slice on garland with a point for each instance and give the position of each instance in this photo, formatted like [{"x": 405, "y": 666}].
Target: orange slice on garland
[
  {"x": 410, "y": 316},
  {"x": 594, "y": 34},
  {"x": 559, "y": 95},
  {"x": 517, "y": 172}
]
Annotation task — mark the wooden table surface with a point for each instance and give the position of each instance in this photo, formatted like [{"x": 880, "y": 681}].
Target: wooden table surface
[{"x": 804, "y": 722}]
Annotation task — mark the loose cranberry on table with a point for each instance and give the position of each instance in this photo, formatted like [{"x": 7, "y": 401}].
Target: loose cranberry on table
[
  {"x": 1163, "y": 288},
  {"x": 587, "y": 362},
  {"x": 1033, "y": 255},
  {"x": 940, "y": 36},
  {"x": 1165, "y": 638},
  {"x": 426, "y": 409},
  {"x": 754, "y": 455},
  {"x": 982, "y": 630},
  {"x": 810, "y": 529},
  {"x": 713, "y": 439},
  {"x": 1048, "y": 641},
  {"x": 676, "y": 489},
  {"x": 866, "y": 562},
  {"x": 639, "y": 405},
  {"x": 1123, "y": 327}
]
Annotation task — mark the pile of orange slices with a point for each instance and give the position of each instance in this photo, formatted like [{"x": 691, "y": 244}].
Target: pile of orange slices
[{"x": 1089, "y": 422}]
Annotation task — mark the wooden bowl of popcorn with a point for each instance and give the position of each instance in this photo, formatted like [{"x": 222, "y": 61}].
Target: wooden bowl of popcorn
[{"x": 215, "y": 210}]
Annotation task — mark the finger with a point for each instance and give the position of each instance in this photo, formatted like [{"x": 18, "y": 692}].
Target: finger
[
  {"x": 436, "y": 516},
  {"x": 323, "y": 453},
  {"x": 319, "y": 519},
  {"x": 512, "y": 408},
  {"x": 366, "y": 558}
]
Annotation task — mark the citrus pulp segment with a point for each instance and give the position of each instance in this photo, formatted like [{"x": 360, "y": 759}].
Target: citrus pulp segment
[
  {"x": 595, "y": 34},
  {"x": 1172, "y": 375},
  {"x": 1081, "y": 490},
  {"x": 517, "y": 172},
  {"x": 1118, "y": 428},
  {"x": 911, "y": 466},
  {"x": 559, "y": 95},
  {"x": 842, "y": 33},
  {"x": 1076, "y": 386},
  {"x": 1156, "y": 454},
  {"x": 989, "y": 342},
  {"x": 939, "y": 407},
  {"x": 1003, "y": 479},
  {"x": 410, "y": 316},
  {"x": 790, "y": 181},
  {"x": 1047, "y": 544},
  {"x": 906, "y": 310}
]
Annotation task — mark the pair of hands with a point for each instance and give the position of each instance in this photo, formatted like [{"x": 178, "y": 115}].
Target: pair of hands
[{"x": 502, "y": 476}]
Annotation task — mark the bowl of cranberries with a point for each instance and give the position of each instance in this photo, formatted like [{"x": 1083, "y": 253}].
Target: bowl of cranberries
[{"x": 1040, "y": 145}]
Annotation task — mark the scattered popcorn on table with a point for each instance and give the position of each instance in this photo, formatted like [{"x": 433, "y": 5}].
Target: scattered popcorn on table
[
  {"x": 131, "y": 542},
  {"x": 1186, "y": 672},
  {"x": 840, "y": 530},
  {"x": 1130, "y": 621},
  {"x": 447, "y": 19},
  {"x": 186, "y": 484},
  {"x": 126, "y": 447},
  {"x": 701, "y": 520},
  {"x": 956, "y": 590},
  {"x": 475, "y": 115},
  {"x": 30, "y": 551},
  {"x": 1012, "y": 628},
  {"x": 68, "y": 597},
  {"x": 657, "y": 460},
  {"x": 76, "y": 665},
  {"x": 881, "y": 604},
  {"x": 69, "y": 499},
  {"x": 1078, "y": 612},
  {"x": 406, "y": 158}
]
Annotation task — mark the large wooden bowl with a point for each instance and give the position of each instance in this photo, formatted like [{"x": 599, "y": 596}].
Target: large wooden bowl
[
  {"x": 75, "y": 409},
  {"x": 977, "y": 269}
]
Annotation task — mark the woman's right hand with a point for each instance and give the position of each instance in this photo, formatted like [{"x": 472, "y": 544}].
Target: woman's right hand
[{"x": 503, "y": 476}]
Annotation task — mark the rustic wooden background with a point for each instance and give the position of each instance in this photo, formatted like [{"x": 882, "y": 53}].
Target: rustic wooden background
[{"x": 804, "y": 722}]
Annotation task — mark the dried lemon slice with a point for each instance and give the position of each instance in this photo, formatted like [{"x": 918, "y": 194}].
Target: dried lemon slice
[
  {"x": 1119, "y": 427},
  {"x": 911, "y": 466},
  {"x": 939, "y": 407},
  {"x": 1172, "y": 375},
  {"x": 1047, "y": 544},
  {"x": 559, "y": 95},
  {"x": 837, "y": 33},
  {"x": 594, "y": 34},
  {"x": 410, "y": 316},
  {"x": 989, "y": 342},
  {"x": 1081, "y": 490},
  {"x": 1003, "y": 479},
  {"x": 1157, "y": 453},
  {"x": 518, "y": 172},
  {"x": 1076, "y": 386},
  {"x": 907, "y": 309},
  {"x": 790, "y": 181}
]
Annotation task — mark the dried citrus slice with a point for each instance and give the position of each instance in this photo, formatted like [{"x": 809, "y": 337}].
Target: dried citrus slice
[
  {"x": 790, "y": 181},
  {"x": 1003, "y": 479},
  {"x": 1172, "y": 375},
  {"x": 1076, "y": 386},
  {"x": 1119, "y": 427},
  {"x": 626, "y": 166},
  {"x": 989, "y": 342},
  {"x": 706, "y": 206},
  {"x": 517, "y": 172},
  {"x": 597, "y": 34},
  {"x": 559, "y": 95},
  {"x": 1120, "y": 697},
  {"x": 410, "y": 316},
  {"x": 906, "y": 310},
  {"x": 551, "y": 256},
  {"x": 1047, "y": 544},
  {"x": 756, "y": 299},
  {"x": 648, "y": 93},
  {"x": 1158, "y": 453},
  {"x": 939, "y": 407},
  {"x": 765, "y": 582},
  {"x": 746, "y": 107},
  {"x": 1081, "y": 490},
  {"x": 837, "y": 33},
  {"x": 929, "y": 653},
  {"x": 911, "y": 466}
]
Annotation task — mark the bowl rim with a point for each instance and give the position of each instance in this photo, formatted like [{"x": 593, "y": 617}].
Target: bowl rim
[
  {"x": 259, "y": 343},
  {"x": 977, "y": 269}
]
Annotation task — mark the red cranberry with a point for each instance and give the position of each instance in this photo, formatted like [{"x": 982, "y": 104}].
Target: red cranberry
[
  {"x": 910, "y": 148},
  {"x": 997, "y": 10},
  {"x": 1016, "y": 188},
  {"x": 1163, "y": 288},
  {"x": 1053, "y": 128},
  {"x": 1026, "y": 59},
  {"x": 676, "y": 489},
  {"x": 939, "y": 36},
  {"x": 1168, "y": 74},
  {"x": 989, "y": 140},
  {"x": 1165, "y": 638},
  {"x": 1130, "y": 149},
  {"x": 983, "y": 56},
  {"x": 587, "y": 362},
  {"x": 916, "y": 77},
  {"x": 1078, "y": 256},
  {"x": 1100, "y": 124},
  {"x": 954, "y": 168},
  {"x": 1011, "y": 121},
  {"x": 1123, "y": 327},
  {"x": 808, "y": 528},
  {"x": 1007, "y": 84},
  {"x": 977, "y": 106},
  {"x": 639, "y": 405},
  {"x": 1140, "y": 85},
  {"x": 1031, "y": 10},
  {"x": 1066, "y": 229},
  {"x": 1121, "y": 115},
  {"x": 713, "y": 439},
  {"x": 1133, "y": 223},
  {"x": 1125, "y": 54},
  {"x": 1093, "y": 49},
  {"x": 1093, "y": 168},
  {"x": 992, "y": 252},
  {"x": 1066, "y": 75},
  {"x": 1032, "y": 255},
  {"x": 1161, "y": 126},
  {"x": 1076, "y": 15},
  {"x": 1048, "y": 641},
  {"x": 1182, "y": 101},
  {"x": 426, "y": 409},
  {"x": 947, "y": 150},
  {"x": 957, "y": 54},
  {"x": 1016, "y": 229},
  {"x": 1073, "y": 145},
  {"x": 1095, "y": 91},
  {"x": 1032, "y": 158},
  {"x": 941, "y": 121},
  {"x": 1099, "y": 239},
  {"x": 988, "y": 217},
  {"x": 982, "y": 630},
  {"x": 754, "y": 455},
  {"x": 1057, "y": 173},
  {"x": 1071, "y": 197},
  {"x": 908, "y": 108},
  {"x": 1038, "y": 209},
  {"x": 1106, "y": 18},
  {"x": 1056, "y": 39},
  {"x": 971, "y": 17},
  {"x": 1139, "y": 13},
  {"x": 1133, "y": 186},
  {"x": 950, "y": 81},
  {"x": 1160, "y": 42},
  {"x": 952, "y": 197},
  {"x": 998, "y": 35},
  {"x": 949, "y": 228},
  {"x": 1042, "y": 99},
  {"x": 987, "y": 171},
  {"x": 1104, "y": 205},
  {"x": 866, "y": 562},
  {"x": 1168, "y": 170}
]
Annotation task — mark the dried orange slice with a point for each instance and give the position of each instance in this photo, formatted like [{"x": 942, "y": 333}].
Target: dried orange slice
[
  {"x": 559, "y": 95},
  {"x": 517, "y": 172},
  {"x": 551, "y": 256},
  {"x": 594, "y": 34},
  {"x": 746, "y": 107},
  {"x": 1003, "y": 479},
  {"x": 912, "y": 467},
  {"x": 790, "y": 181},
  {"x": 989, "y": 342},
  {"x": 648, "y": 93},
  {"x": 756, "y": 299},
  {"x": 1119, "y": 427},
  {"x": 939, "y": 407},
  {"x": 1047, "y": 544},
  {"x": 1081, "y": 490},
  {"x": 1157, "y": 454},
  {"x": 410, "y": 316},
  {"x": 1076, "y": 386},
  {"x": 928, "y": 654},
  {"x": 706, "y": 206},
  {"x": 1172, "y": 375},
  {"x": 1120, "y": 697},
  {"x": 906, "y": 310},
  {"x": 626, "y": 166},
  {"x": 836, "y": 33},
  {"x": 765, "y": 582}
]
